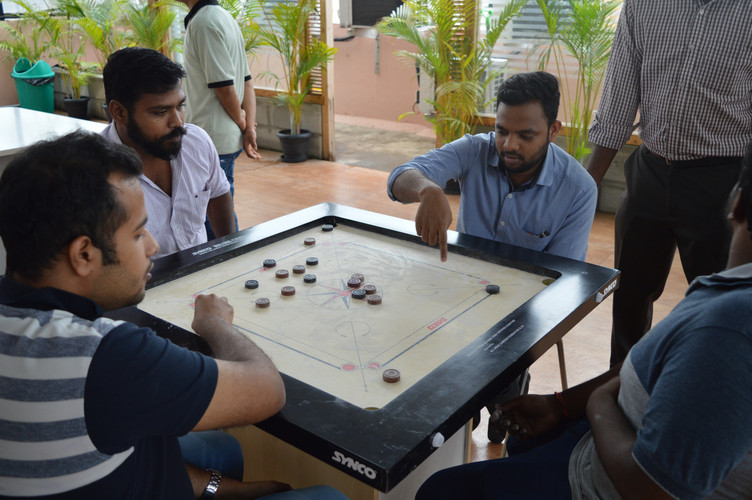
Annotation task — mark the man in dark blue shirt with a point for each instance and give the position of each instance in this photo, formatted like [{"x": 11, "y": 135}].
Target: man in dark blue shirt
[{"x": 91, "y": 407}]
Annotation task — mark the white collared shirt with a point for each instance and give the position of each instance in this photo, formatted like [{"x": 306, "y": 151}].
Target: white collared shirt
[{"x": 177, "y": 221}]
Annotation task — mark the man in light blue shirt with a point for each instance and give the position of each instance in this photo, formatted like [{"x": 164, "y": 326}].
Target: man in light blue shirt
[{"x": 517, "y": 186}]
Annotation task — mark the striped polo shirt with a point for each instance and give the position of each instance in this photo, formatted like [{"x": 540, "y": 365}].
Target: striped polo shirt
[
  {"x": 44, "y": 360},
  {"x": 88, "y": 404}
]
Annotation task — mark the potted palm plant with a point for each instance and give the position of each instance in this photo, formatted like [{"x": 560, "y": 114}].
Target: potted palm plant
[
  {"x": 29, "y": 38},
  {"x": 285, "y": 29},
  {"x": 109, "y": 25},
  {"x": 74, "y": 72},
  {"x": 582, "y": 30},
  {"x": 148, "y": 25},
  {"x": 447, "y": 49}
]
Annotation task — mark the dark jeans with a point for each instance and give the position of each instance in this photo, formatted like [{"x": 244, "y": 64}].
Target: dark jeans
[
  {"x": 213, "y": 450},
  {"x": 665, "y": 207},
  {"x": 221, "y": 451},
  {"x": 540, "y": 472},
  {"x": 227, "y": 163}
]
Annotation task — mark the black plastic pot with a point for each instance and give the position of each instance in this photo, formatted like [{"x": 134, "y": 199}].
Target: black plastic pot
[
  {"x": 294, "y": 146},
  {"x": 77, "y": 108}
]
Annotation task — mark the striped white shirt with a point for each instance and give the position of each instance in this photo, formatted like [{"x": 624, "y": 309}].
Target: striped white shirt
[
  {"x": 177, "y": 221},
  {"x": 686, "y": 65}
]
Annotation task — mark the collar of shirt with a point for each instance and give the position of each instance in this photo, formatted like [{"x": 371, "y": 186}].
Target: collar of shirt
[
  {"x": 15, "y": 294},
  {"x": 729, "y": 277},
  {"x": 195, "y": 9}
]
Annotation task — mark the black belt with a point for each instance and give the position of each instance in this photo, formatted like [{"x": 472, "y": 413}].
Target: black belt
[{"x": 708, "y": 161}]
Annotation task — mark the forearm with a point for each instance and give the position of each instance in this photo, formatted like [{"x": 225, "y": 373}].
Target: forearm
[
  {"x": 249, "y": 104},
  {"x": 221, "y": 213},
  {"x": 600, "y": 160},
  {"x": 231, "y": 104},
  {"x": 575, "y": 399},
  {"x": 249, "y": 387},
  {"x": 411, "y": 185},
  {"x": 614, "y": 439},
  {"x": 231, "y": 488}
]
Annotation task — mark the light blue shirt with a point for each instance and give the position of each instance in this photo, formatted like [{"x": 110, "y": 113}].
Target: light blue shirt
[{"x": 554, "y": 214}]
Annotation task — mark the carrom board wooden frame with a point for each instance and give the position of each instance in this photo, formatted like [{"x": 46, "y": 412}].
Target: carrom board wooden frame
[{"x": 381, "y": 447}]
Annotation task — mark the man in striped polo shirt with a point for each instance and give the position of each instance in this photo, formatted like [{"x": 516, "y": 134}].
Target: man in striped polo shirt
[{"x": 92, "y": 407}]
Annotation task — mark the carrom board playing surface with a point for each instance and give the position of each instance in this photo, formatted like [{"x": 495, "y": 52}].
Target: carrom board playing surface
[
  {"x": 455, "y": 344},
  {"x": 325, "y": 337}
]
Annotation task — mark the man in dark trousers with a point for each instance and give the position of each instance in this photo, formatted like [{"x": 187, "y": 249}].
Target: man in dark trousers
[{"x": 686, "y": 65}]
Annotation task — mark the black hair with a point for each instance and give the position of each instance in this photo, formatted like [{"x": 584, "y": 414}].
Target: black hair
[
  {"x": 134, "y": 71},
  {"x": 537, "y": 86},
  {"x": 57, "y": 190}
]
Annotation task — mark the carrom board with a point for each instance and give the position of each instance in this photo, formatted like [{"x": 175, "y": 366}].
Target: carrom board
[
  {"x": 454, "y": 344},
  {"x": 325, "y": 337}
]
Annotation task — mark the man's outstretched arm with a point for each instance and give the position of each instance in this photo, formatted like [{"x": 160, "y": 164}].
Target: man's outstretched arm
[{"x": 434, "y": 215}]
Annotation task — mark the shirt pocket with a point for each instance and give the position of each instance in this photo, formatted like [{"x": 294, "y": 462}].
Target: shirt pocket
[
  {"x": 192, "y": 213},
  {"x": 534, "y": 237}
]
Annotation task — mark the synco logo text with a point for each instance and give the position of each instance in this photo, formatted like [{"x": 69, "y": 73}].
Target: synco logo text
[{"x": 354, "y": 465}]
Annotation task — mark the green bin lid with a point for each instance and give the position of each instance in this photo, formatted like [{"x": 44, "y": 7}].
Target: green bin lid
[{"x": 25, "y": 70}]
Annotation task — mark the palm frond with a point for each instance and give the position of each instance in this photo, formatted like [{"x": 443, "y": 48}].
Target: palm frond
[{"x": 443, "y": 35}]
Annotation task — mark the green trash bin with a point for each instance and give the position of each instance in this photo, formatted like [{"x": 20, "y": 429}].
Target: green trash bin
[{"x": 34, "y": 84}]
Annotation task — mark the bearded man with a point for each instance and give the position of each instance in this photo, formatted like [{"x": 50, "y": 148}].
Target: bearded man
[
  {"x": 516, "y": 186},
  {"x": 182, "y": 179}
]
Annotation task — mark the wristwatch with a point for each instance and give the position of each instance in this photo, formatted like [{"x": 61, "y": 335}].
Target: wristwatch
[{"x": 213, "y": 486}]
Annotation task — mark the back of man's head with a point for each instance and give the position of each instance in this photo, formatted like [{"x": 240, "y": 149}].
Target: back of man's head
[
  {"x": 538, "y": 86},
  {"x": 58, "y": 190},
  {"x": 134, "y": 71}
]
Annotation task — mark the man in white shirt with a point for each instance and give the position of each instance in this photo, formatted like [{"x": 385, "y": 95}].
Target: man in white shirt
[{"x": 182, "y": 180}]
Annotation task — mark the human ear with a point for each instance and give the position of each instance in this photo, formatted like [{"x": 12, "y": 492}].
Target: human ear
[
  {"x": 118, "y": 112},
  {"x": 83, "y": 256},
  {"x": 553, "y": 130}
]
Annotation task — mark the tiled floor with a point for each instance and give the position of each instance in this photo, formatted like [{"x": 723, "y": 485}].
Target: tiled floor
[{"x": 268, "y": 188}]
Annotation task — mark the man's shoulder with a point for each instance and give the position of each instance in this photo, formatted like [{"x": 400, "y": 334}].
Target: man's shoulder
[
  {"x": 110, "y": 132},
  {"x": 480, "y": 146},
  {"x": 565, "y": 168},
  {"x": 198, "y": 151},
  {"x": 195, "y": 137},
  {"x": 212, "y": 16}
]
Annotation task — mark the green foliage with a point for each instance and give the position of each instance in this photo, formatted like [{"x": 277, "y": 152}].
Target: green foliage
[
  {"x": 31, "y": 36},
  {"x": 110, "y": 25},
  {"x": 584, "y": 30},
  {"x": 75, "y": 73},
  {"x": 444, "y": 35},
  {"x": 105, "y": 25},
  {"x": 286, "y": 31},
  {"x": 99, "y": 21},
  {"x": 245, "y": 14},
  {"x": 149, "y": 26}
]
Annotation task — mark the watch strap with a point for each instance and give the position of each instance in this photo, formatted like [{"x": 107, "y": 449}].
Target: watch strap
[{"x": 211, "y": 489}]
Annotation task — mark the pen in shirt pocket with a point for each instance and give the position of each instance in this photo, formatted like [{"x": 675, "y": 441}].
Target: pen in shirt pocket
[{"x": 542, "y": 235}]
